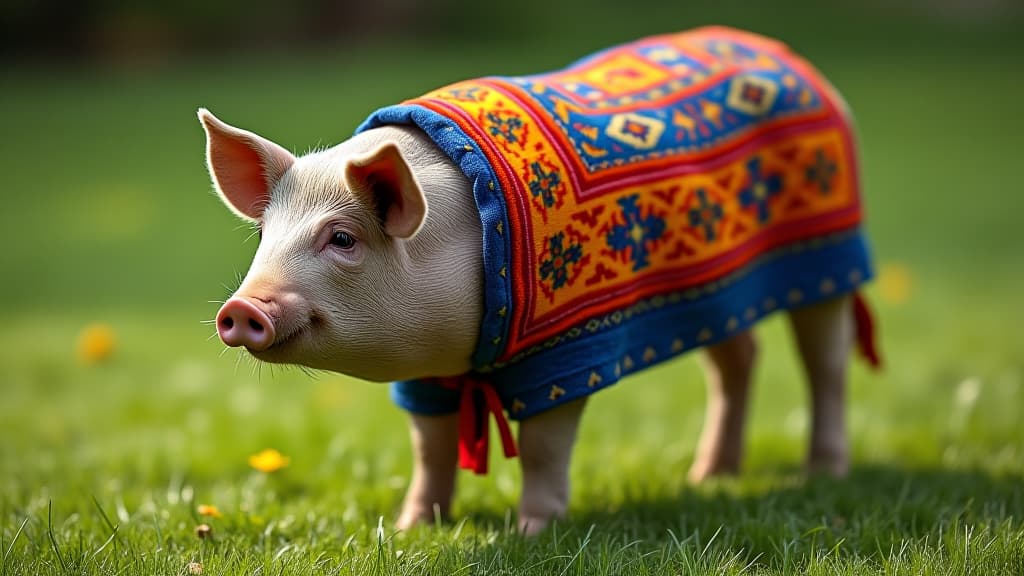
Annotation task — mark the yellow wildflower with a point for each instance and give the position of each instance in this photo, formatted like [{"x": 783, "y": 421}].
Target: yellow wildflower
[
  {"x": 209, "y": 510},
  {"x": 894, "y": 283},
  {"x": 269, "y": 460},
  {"x": 96, "y": 343}
]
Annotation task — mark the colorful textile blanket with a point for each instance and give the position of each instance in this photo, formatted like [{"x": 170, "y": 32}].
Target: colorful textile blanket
[{"x": 652, "y": 198}]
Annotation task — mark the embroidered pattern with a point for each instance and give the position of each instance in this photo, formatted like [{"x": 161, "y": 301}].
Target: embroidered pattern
[
  {"x": 555, "y": 267},
  {"x": 705, "y": 215},
  {"x": 822, "y": 172},
  {"x": 635, "y": 233},
  {"x": 545, "y": 183},
  {"x": 642, "y": 158},
  {"x": 649, "y": 199},
  {"x": 759, "y": 193}
]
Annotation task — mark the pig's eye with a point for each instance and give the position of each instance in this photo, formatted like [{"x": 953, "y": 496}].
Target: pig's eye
[{"x": 342, "y": 240}]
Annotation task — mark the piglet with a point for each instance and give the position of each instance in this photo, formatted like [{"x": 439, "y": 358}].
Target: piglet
[{"x": 509, "y": 246}]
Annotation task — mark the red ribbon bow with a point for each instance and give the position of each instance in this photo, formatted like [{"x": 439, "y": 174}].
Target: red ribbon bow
[{"x": 474, "y": 426}]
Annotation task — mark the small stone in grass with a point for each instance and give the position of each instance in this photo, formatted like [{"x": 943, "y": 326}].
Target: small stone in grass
[
  {"x": 203, "y": 531},
  {"x": 195, "y": 568}
]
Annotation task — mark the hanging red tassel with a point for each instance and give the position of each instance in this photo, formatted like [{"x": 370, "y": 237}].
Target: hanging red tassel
[
  {"x": 474, "y": 427},
  {"x": 865, "y": 328}
]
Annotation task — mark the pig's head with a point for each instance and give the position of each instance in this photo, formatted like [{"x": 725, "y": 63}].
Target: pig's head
[{"x": 369, "y": 260}]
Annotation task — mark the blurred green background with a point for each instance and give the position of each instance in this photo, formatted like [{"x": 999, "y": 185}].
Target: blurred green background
[
  {"x": 105, "y": 198},
  {"x": 107, "y": 216}
]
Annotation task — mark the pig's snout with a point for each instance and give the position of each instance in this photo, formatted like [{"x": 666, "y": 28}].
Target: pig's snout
[{"x": 241, "y": 323}]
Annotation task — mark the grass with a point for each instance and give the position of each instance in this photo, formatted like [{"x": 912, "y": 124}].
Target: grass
[
  {"x": 102, "y": 466},
  {"x": 106, "y": 465}
]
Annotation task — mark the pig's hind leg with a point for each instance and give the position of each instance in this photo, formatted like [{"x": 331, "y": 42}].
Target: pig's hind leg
[
  {"x": 824, "y": 335},
  {"x": 435, "y": 453},
  {"x": 728, "y": 367}
]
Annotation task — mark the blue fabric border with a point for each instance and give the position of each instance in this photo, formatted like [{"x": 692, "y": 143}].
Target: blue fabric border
[
  {"x": 799, "y": 275},
  {"x": 490, "y": 200}
]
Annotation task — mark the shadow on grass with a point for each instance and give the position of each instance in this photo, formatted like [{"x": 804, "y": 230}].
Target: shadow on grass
[{"x": 873, "y": 512}]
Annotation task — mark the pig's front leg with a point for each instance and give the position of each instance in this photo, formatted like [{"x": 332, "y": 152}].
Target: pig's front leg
[
  {"x": 435, "y": 451},
  {"x": 545, "y": 446}
]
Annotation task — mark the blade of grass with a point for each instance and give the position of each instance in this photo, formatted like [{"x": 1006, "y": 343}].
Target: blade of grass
[
  {"x": 113, "y": 527},
  {"x": 53, "y": 540},
  {"x": 105, "y": 544},
  {"x": 11, "y": 547},
  {"x": 583, "y": 545}
]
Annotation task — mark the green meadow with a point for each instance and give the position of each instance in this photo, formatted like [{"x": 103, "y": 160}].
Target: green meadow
[{"x": 108, "y": 218}]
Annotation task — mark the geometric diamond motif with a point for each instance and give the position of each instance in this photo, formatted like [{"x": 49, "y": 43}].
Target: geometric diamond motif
[
  {"x": 753, "y": 95},
  {"x": 635, "y": 130}
]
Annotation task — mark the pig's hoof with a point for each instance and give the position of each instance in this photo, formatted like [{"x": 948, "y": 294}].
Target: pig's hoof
[
  {"x": 833, "y": 467},
  {"x": 532, "y": 525},
  {"x": 828, "y": 459},
  {"x": 703, "y": 470},
  {"x": 418, "y": 516}
]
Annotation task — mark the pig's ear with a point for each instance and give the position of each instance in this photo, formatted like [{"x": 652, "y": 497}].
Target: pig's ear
[
  {"x": 383, "y": 178},
  {"x": 244, "y": 167}
]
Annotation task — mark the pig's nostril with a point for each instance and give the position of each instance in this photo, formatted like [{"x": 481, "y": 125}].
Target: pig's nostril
[
  {"x": 228, "y": 322},
  {"x": 255, "y": 325}
]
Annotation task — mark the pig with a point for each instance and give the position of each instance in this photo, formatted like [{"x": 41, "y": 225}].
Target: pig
[{"x": 513, "y": 245}]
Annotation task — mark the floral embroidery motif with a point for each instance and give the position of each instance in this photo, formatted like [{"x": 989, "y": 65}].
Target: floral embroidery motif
[
  {"x": 762, "y": 189},
  {"x": 555, "y": 268},
  {"x": 822, "y": 172},
  {"x": 705, "y": 215},
  {"x": 636, "y": 232}
]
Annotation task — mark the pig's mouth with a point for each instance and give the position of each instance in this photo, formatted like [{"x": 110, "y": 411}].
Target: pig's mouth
[
  {"x": 289, "y": 339},
  {"x": 281, "y": 350}
]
